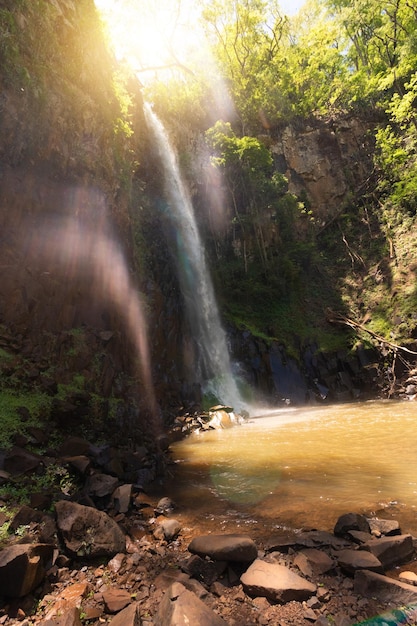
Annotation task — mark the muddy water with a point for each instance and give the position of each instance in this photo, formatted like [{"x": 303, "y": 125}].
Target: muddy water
[{"x": 300, "y": 468}]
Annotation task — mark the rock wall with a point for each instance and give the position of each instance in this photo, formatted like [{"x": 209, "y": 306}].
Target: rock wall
[{"x": 326, "y": 161}]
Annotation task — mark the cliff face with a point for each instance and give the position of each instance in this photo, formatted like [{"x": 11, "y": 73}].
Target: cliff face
[
  {"x": 325, "y": 161},
  {"x": 84, "y": 248}
]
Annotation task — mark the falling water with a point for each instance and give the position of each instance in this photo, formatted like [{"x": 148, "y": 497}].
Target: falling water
[{"x": 214, "y": 367}]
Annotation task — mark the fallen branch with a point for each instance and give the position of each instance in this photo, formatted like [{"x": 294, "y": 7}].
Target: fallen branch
[{"x": 338, "y": 318}]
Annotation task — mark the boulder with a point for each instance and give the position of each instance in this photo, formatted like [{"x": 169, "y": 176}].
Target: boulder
[
  {"x": 312, "y": 562},
  {"x": 167, "y": 529},
  {"x": 23, "y": 567},
  {"x": 101, "y": 485},
  {"x": 180, "y": 607},
  {"x": 352, "y": 560},
  {"x": 225, "y": 547},
  {"x": 19, "y": 461},
  {"x": 351, "y": 521},
  {"x": 276, "y": 583},
  {"x": 88, "y": 532},
  {"x": 116, "y": 599},
  {"x": 391, "y": 550},
  {"x": 373, "y": 585}
]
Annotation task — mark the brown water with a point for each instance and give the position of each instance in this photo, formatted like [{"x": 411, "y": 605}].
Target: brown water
[{"x": 300, "y": 468}]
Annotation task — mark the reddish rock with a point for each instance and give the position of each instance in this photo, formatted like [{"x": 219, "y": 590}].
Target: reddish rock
[
  {"x": 71, "y": 617},
  {"x": 116, "y": 599},
  {"x": 23, "y": 567},
  {"x": 130, "y": 616}
]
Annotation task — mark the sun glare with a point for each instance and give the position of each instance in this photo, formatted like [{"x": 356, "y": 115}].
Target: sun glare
[{"x": 151, "y": 36}]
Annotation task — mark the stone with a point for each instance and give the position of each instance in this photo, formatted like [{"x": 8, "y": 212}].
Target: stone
[
  {"x": 75, "y": 446},
  {"x": 313, "y": 562},
  {"x": 373, "y": 585},
  {"x": 19, "y": 461},
  {"x": 23, "y": 567},
  {"x": 205, "y": 571},
  {"x": 122, "y": 497},
  {"x": 225, "y": 547},
  {"x": 306, "y": 539},
  {"x": 384, "y": 526},
  {"x": 352, "y": 560},
  {"x": 408, "y": 577},
  {"x": 81, "y": 463},
  {"x": 116, "y": 599},
  {"x": 88, "y": 532},
  {"x": 164, "y": 506},
  {"x": 180, "y": 607},
  {"x": 130, "y": 616},
  {"x": 358, "y": 536},
  {"x": 71, "y": 617},
  {"x": 276, "y": 582},
  {"x": 168, "y": 529},
  {"x": 69, "y": 599},
  {"x": 101, "y": 485},
  {"x": 25, "y": 516},
  {"x": 351, "y": 521},
  {"x": 391, "y": 550}
]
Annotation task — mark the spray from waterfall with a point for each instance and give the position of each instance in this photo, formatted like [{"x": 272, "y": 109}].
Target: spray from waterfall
[{"x": 215, "y": 368}]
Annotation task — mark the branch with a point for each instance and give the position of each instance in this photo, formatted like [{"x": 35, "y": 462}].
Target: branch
[{"x": 338, "y": 318}]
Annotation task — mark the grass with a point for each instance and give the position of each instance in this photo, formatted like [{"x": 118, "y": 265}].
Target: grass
[{"x": 12, "y": 422}]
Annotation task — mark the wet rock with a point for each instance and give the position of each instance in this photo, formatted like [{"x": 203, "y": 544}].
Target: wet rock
[
  {"x": 373, "y": 585},
  {"x": 391, "y": 550},
  {"x": 352, "y": 560},
  {"x": 23, "y": 567},
  {"x": 180, "y": 606},
  {"x": 225, "y": 547},
  {"x": 306, "y": 539},
  {"x": 276, "y": 582},
  {"x": 351, "y": 521},
  {"x": 358, "y": 536},
  {"x": 130, "y": 616},
  {"x": 88, "y": 532},
  {"x": 312, "y": 562}
]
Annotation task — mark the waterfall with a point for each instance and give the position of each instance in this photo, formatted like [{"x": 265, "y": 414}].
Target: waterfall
[{"x": 215, "y": 370}]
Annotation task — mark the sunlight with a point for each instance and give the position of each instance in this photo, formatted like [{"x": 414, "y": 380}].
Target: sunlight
[{"x": 152, "y": 37}]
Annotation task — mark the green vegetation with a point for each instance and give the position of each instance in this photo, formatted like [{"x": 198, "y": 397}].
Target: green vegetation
[{"x": 14, "y": 420}]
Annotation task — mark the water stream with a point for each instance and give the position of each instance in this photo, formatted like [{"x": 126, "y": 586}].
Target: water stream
[
  {"x": 214, "y": 365},
  {"x": 301, "y": 468}
]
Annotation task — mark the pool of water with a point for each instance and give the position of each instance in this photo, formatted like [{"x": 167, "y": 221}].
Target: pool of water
[{"x": 300, "y": 468}]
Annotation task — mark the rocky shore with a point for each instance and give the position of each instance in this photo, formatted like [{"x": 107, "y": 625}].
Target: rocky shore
[{"x": 92, "y": 547}]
